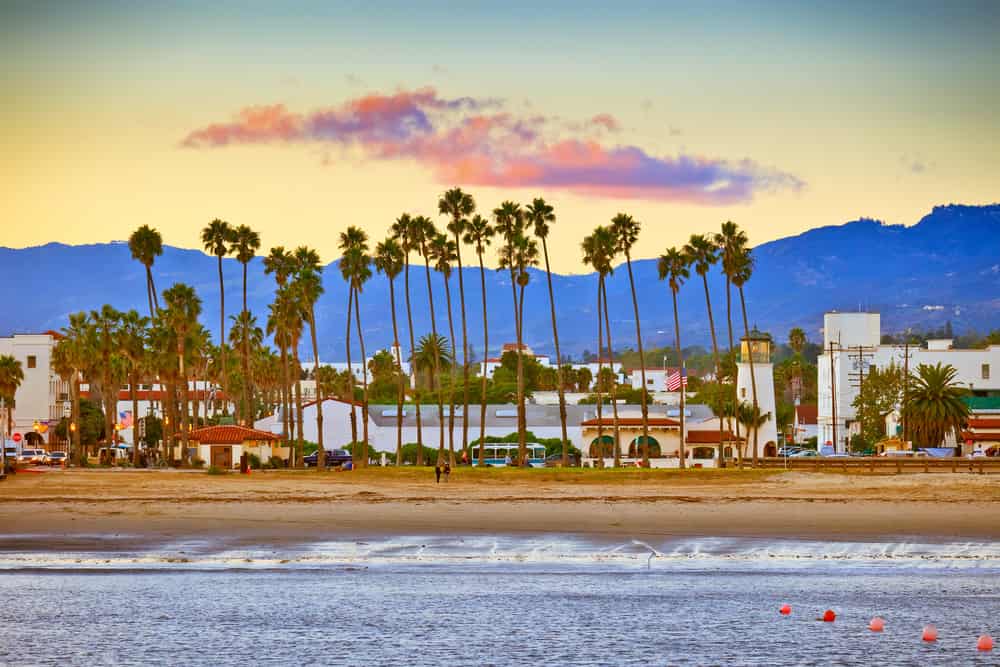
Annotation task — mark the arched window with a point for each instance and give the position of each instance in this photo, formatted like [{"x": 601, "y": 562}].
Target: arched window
[
  {"x": 603, "y": 447},
  {"x": 635, "y": 447}
]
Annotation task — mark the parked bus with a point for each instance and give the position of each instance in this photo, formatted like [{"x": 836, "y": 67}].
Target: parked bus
[{"x": 504, "y": 453}]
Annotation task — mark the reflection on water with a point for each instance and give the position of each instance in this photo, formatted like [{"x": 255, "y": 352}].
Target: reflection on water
[{"x": 503, "y": 601}]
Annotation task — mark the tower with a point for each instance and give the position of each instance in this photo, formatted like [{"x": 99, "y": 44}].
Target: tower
[{"x": 759, "y": 345}]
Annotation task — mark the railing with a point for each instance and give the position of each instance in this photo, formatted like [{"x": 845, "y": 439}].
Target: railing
[{"x": 884, "y": 464}]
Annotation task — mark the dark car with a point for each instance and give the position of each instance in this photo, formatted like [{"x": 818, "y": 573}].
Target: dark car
[
  {"x": 555, "y": 460},
  {"x": 334, "y": 458}
]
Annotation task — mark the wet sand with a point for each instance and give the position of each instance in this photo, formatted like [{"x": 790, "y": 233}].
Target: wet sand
[{"x": 81, "y": 509}]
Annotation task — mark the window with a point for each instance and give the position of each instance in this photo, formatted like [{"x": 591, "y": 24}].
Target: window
[
  {"x": 650, "y": 381},
  {"x": 32, "y": 361},
  {"x": 986, "y": 371},
  {"x": 743, "y": 392}
]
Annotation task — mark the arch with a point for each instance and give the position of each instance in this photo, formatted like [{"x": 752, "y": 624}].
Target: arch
[
  {"x": 603, "y": 447},
  {"x": 770, "y": 449},
  {"x": 33, "y": 439},
  {"x": 635, "y": 447}
]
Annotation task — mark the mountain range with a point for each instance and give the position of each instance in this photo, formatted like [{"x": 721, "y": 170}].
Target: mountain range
[{"x": 946, "y": 267}]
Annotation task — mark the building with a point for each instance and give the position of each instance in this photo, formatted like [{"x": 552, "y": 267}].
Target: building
[
  {"x": 759, "y": 345},
  {"x": 804, "y": 424},
  {"x": 656, "y": 377},
  {"x": 852, "y": 347},
  {"x": 43, "y": 396},
  {"x": 358, "y": 369},
  {"x": 222, "y": 446},
  {"x": 489, "y": 366}
]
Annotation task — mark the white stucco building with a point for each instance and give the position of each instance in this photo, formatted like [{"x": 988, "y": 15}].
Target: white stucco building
[
  {"x": 43, "y": 395},
  {"x": 763, "y": 375},
  {"x": 489, "y": 366}
]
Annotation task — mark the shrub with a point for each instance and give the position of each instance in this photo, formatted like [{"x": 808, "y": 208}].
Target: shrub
[
  {"x": 197, "y": 462},
  {"x": 410, "y": 454},
  {"x": 276, "y": 462},
  {"x": 216, "y": 470},
  {"x": 254, "y": 461}
]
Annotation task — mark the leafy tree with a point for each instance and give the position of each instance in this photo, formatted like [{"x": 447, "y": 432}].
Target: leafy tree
[
  {"x": 91, "y": 423},
  {"x": 880, "y": 394}
]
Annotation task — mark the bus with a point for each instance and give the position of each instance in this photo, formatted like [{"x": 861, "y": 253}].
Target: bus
[{"x": 501, "y": 453}]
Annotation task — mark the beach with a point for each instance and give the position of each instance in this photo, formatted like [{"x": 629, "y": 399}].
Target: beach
[{"x": 68, "y": 508}]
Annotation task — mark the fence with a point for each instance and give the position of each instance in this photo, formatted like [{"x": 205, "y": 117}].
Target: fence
[{"x": 885, "y": 465}]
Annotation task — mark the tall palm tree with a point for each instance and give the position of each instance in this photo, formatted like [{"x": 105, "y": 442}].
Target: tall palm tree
[
  {"x": 479, "y": 233},
  {"x": 146, "y": 245},
  {"x": 459, "y": 206},
  {"x": 432, "y": 354},
  {"x": 308, "y": 289},
  {"x": 731, "y": 240},
  {"x": 423, "y": 233},
  {"x": 132, "y": 341},
  {"x": 389, "y": 260},
  {"x": 797, "y": 340},
  {"x": 183, "y": 307},
  {"x": 673, "y": 267},
  {"x": 284, "y": 323},
  {"x": 405, "y": 231},
  {"x": 217, "y": 238},
  {"x": 933, "y": 406},
  {"x": 626, "y": 230},
  {"x": 742, "y": 270},
  {"x": 703, "y": 253},
  {"x": 352, "y": 238},
  {"x": 11, "y": 377},
  {"x": 594, "y": 255},
  {"x": 541, "y": 216},
  {"x": 108, "y": 361},
  {"x": 246, "y": 243},
  {"x": 606, "y": 238},
  {"x": 359, "y": 266},
  {"x": 281, "y": 263},
  {"x": 751, "y": 418},
  {"x": 445, "y": 251},
  {"x": 77, "y": 350}
]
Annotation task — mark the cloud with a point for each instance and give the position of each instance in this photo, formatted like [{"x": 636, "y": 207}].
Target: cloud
[{"x": 476, "y": 142}]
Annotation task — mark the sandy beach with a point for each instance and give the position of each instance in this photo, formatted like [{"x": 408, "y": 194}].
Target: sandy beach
[{"x": 45, "y": 510}]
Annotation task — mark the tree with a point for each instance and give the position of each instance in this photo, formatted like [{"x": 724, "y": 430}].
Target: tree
[
  {"x": 750, "y": 416},
  {"x": 11, "y": 377},
  {"x": 598, "y": 252},
  {"x": 389, "y": 260},
  {"x": 108, "y": 362},
  {"x": 673, "y": 267},
  {"x": 479, "y": 233},
  {"x": 355, "y": 265},
  {"x": 880, "y": 394},
  {"x": 797, "y": 339},
  {"x": 405, "y": 231},
  {"x": 742, "y": 269},
  {"x": 541, "y": 216},
  {"x": 730, "y": 241},
  {"x": 934, "y": 406},
  {"x": 444, "y": 252},
  {"x": 626, "y": 230},
  {"x": 246, "y": 243},
  {"x": 146, "y": 245},
  {"x": 216, "y": 238},
  {"x": 76, "y": 351},
  {"x": 308, "y": 288},
  {"x": 182, "y": 310},
  {"x": 132, "y": 339},
  {"x": 423, "y": 232},
  {"x": 281, "y": 264},
  {"x": 432, "y": 354},
  {"x": 459, "y": 206}
]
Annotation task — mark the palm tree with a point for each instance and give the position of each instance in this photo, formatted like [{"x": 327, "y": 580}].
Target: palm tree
[
  {"x": 595, "y": 256},
  {"x": 742, "y": 270},
  {"x": 11, "y": 377},
  {"x": 182, "y": 312},
  {"x": 76, "y": 349},
  {"x": 673, "y": 267},
  {"x": 933, "y": 406},
  {"x": 246, "y": 243},
  {"x": 460, "y": 205},
  {"x": 432, "y": 354},
  {"x": 132, "y": 341},
  {"x": 108, "y": 363},
  {"x": 389, "y": 260},
  {"x": 797, "y": 340},
  {"x": 404, "y": 230},
  {"x": 605, "y": 237},
  {"x": 423, "y": 232},
  {"x": 282, "y": 264},
  {"x": 353, "y": 237},
  {"x": 146, "y": 245},
  {"x": 750, "y": 416},
  {"x": 479, "y": 233},
  {"x": 244, "y": 331},
  {"x": 541, "y": 216},
  {"x": 308, "y": 289},
  {"x": 216, "y": 238},
  {"x": 731, "y": 240},
  {"x": 703, "y": 253},
  {"x": 445, "y": 252},
  {"x": 284, "y": 323},
  {"x": 626, "y": 230},
  {"x": 359, "y": 267}
]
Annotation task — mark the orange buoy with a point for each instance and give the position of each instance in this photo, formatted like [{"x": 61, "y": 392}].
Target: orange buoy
[
  {"x": 985, "y": 643},
  {"x": 876, "y": 624},
  {"x": 829, "y": 616},
  {"x": 930, "y": 633},
  {"x": 785, "y": 610}
]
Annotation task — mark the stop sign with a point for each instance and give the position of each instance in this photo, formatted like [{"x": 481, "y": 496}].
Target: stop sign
[{"x": 17, "y": 437}]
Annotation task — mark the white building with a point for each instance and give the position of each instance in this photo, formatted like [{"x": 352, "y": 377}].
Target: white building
[
  {"x": 852, "y": 346},
  {"x": 763, "y": 373},
  {"x": 489, "y": 366},
  {"x": 43, "y": 396},
  {"x": 358, "y": 369}
]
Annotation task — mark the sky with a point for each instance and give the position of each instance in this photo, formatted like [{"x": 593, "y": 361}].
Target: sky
[{"x": 299, "y": 119}]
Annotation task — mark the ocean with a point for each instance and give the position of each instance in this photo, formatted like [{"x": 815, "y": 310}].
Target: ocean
[{"x": 494, "y": 601}]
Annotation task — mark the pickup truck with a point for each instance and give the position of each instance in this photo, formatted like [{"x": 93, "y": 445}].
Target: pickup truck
[{"x": 334, "y": 458}]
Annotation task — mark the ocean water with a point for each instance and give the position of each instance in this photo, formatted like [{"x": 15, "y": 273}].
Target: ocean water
[{"x": 494, "y": 601}]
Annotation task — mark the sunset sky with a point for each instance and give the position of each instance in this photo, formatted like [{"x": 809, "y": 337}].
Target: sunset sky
[{"x": 299, "y": 122}]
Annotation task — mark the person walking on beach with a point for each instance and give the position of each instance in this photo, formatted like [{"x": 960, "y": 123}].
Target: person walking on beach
[
  {"x": 437, "y": 473},
  {"x": 447, "y": 471}
]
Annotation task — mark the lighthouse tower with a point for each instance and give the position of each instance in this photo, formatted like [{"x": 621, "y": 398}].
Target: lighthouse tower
[{"x": 759, "y": 345}]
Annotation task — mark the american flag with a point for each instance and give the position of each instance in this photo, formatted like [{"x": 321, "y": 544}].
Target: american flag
[
  {"x": 125, "y": 419},
  {"x": 675, "y": 379}
]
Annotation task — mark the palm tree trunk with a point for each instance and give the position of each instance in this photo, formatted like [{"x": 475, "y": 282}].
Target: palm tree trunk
[
  {"x": 680, "y": 369},
  {"x": 520, "y": 371},
  {"x": 522, "y": 418},
  {"x": 715, "y": 356},
  {"x": 614, "y": 383},
  {"x": 284, "y": 394},
  {"x": 299, "y": 417},
  {"x": 600, "y": 366},
  {"x": 413, "y": 347},
  {"x": 364, "y": 379},
  {"x": 222, "y": 340},
  {"x": 135, "y": 420},
  {"x": 150, "y": 292},
  {"x": 486, "y": 356},
  {"x": 184, "y": 402},
  {"x": 319, "y": 399},
  {"x": 437, "y": 368},
  {"x": 559, "y": 370},
  {"x": 399, "y": 369},
  {"x": 642, "y": 365},
  {"x": 75, "y": 416},
  {"x": 451, "y": 392},
  {"x": 465, "y": 350},
  {"x": 248, "y": 416},
  {"x": 736, "y": 399},
  {"x": 753, "y": 377},
  {"x": 350, "y": 371}
]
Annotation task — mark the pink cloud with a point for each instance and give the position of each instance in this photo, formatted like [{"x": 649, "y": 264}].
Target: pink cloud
[{"x": 460, "y": 142}]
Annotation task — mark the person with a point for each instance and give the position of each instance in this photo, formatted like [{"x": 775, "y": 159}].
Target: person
[
  {"x": 465, "y": 457},
  {"x": 447, "y": 471},
  {"x": 507, "y": 460},
  {"x": 437, "y": 473}
]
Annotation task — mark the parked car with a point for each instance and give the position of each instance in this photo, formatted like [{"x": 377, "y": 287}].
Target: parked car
[
  {"x": 33, "y": 456},
  {"x": 555, "y": 461},
  {"x": 837, "y": 455},
  {"x": 804, "y": 453},
  {"x": 334, "y": 458},
  {"x": 58, "y": 458},
  {"x": 789, "y": 451}
]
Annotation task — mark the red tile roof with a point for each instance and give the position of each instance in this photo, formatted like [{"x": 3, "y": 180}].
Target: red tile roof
[
  {"x": 807, "y": 414},
  {"x": 981, "y": 437},
  {"x": 631, "y": 421},
  {"x": 159, "y": 395},
  {"x": 229, "y": 435},
  {"x": 984, "y": 422},
  {"x": 707, "y": 437}
]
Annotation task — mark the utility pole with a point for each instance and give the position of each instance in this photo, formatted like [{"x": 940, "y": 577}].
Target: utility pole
[
  {"x": 906, "y": 385},
  {"x": 833, "y": 398}
]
